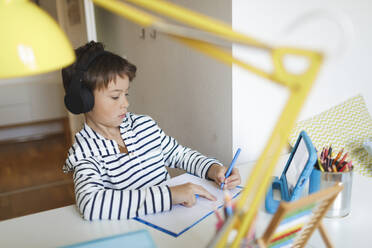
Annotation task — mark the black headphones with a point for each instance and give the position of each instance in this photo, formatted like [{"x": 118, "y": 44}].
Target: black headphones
[{"x": 79, "y": 98}]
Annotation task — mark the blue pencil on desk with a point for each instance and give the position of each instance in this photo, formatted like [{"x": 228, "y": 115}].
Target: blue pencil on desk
[{"x": 228, "y": 172}]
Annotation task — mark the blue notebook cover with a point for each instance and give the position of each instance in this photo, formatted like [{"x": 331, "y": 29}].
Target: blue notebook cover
[{"x": 138, "y": 239}]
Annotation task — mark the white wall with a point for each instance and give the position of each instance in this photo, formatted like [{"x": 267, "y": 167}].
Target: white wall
[
  {"x": 190, "y": 95},
  {"x": 345, "y": 73},
  {"x": 31, "y": 99}
]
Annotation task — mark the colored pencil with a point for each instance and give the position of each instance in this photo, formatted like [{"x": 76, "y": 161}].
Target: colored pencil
[{"x": 338, "y": 156}]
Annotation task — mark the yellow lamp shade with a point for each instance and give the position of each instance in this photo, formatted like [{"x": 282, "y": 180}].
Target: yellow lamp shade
[{"x": 31, "y": 42}]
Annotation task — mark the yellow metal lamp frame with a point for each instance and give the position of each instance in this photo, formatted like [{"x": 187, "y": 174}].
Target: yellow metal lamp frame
[{"x": 203, "y": 30}]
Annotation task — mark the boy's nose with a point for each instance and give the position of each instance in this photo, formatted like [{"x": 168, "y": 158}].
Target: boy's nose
[{"x": 125, "y": 103}]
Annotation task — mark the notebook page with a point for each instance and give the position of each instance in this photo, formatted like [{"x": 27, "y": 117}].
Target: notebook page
[{"x": 181, "y": 218}]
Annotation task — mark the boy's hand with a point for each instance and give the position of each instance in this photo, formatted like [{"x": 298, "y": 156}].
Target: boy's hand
[
  {"x": 217, "y": 174},
  {"x": 185, "y": 194}
]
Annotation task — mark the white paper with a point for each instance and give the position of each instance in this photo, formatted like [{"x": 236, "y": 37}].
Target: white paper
[{"x": 180, "y": 218}]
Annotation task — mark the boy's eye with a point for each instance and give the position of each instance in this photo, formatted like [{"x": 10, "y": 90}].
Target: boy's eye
[
  {"x": 127, "y": 94},
  {"x": 115, "y": 97}
]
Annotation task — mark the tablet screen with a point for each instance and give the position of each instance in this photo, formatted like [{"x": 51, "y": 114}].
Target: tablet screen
[{"x": 297, "y": 165}]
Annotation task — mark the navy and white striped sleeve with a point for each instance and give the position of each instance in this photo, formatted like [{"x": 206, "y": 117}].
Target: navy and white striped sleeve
[
  {"x": 96, "y": 202},
  {"x": 185, "y": 158}
]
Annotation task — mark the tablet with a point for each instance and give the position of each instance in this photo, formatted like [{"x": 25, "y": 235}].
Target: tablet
[
  {"x": 295, "y": 174},
  {"x": 296, "y": 166}
]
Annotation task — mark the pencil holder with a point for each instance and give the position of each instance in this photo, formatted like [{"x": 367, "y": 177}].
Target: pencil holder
[{"x": 321, "y": 180}]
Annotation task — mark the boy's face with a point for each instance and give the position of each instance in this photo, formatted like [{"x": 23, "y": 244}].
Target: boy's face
[{"x": 111, "y": 103}]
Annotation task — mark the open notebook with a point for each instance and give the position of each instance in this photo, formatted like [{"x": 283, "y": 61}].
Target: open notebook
[{"x": 180, "y": 218}]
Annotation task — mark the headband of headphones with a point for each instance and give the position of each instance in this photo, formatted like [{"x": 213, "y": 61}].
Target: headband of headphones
[{"x": 79, "y": 98}]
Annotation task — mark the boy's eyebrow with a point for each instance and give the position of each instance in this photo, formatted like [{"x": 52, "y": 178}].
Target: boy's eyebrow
[{"x": 118, "y": 90}]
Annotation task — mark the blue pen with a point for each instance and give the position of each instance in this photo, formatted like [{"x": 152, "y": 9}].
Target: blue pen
[{"x": 228, "y": 172}]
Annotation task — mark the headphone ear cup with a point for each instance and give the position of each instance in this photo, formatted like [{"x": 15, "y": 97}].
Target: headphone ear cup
[
  {"x": 68, "y": 103},
  {"x": 79, "y": 98},
  {"x": 80, "y": 103},
  {"x": 73, "y": 99},
  {"x": 87, "y": 99},
  {"x": 73, "y": 104}
]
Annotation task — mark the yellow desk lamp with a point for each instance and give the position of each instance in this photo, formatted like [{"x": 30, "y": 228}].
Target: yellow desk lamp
[
  {"x": 31, "y": 42},
  {"x": 203, "y": 31},
  {"x": 201, "y": 34}
]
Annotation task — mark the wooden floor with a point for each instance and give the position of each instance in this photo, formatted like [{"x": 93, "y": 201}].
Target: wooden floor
[{"x": 31, "y": 177}]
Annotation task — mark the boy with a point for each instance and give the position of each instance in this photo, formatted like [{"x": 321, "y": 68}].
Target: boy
[{"x": 119, "y": 158}]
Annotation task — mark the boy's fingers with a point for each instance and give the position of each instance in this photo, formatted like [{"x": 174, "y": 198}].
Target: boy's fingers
[
  {"x": 232, "y": 178},
  {"x": 235, "y": 172},
  {"x": 233, "y": 181},
  {"x": 221, "y": 175},
  {"x": 236, "y": 181},
  {"x": 204, "y": 193},
  {"x": 232, "y": 185},
  {"x": 188, "y": 204},
  {"x": 221, "y": 178}
]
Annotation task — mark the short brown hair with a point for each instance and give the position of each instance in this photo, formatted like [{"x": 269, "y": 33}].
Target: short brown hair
[{"x": 102, "y": 70}]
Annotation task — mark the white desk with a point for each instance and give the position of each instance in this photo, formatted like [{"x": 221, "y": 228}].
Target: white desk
[{"x": 64, "y": 226}]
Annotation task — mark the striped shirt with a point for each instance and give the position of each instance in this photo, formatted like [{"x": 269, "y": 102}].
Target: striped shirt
[{"x": 114, "y": 185}]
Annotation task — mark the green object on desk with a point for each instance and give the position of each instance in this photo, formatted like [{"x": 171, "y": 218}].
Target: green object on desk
[{"x": 139, "y": 239}]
